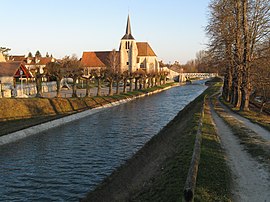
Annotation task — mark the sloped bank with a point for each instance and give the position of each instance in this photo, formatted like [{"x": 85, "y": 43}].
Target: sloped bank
[{"x": 53, "y": 107}]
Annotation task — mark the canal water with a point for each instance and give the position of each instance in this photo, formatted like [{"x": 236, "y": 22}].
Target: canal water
[{"x": 64, "y": 163}]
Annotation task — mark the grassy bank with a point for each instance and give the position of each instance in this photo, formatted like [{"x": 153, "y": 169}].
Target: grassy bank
[
  {"x": 17, "y": 114},
  {"x": 214, "y": 178}
]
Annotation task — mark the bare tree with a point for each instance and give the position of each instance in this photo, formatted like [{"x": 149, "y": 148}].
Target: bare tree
[
  {"x": 99, "y": 74},
  {"x": 38, "y": 75},
  {"x": 260, "y": 74},
  {"x": 139, "y": 76},
  {"x": 73, "y": 70},
  {"x": 125, "y": 79},
  {"x": 236, "y": 27},
  {"x": 56, "y": 70},
  {"x": 88, "y": 78},
  {"x": 113, "y": 70}
]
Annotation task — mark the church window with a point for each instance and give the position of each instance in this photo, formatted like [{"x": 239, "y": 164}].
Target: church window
[
  {"x": 127, "y": 63},
  {"x": 126, "y": 45}
]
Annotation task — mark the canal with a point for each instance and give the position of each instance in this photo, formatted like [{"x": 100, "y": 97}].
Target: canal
[{"x": 64, "y": 163}]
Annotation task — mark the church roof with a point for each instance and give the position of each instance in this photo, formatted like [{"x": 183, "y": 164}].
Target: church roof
[
  {"x": 144, "y": 49},
  {"x": 95, "y": 59},
  {"x": 128, "y": 34}
]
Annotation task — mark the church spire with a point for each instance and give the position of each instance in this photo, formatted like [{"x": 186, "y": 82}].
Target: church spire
[{"x": 128, "y": 34}]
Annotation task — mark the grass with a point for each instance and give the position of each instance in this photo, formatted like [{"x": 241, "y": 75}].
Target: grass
[{"x": 214, "y": 178}]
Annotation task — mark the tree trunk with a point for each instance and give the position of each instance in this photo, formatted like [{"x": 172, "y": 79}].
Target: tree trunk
[
  {"x": 246, "y": 70},
  {"x": 125, "y": 86},
  {"x": 238, "y": 57},
  {"x": 117, "y": 88},
  {"x": 227, "y": 86},
  {"x": 87, "y": 93},
  {"x": 144, "y": 83},
  {"x": 140, "y": 83},
  {"x": 149, "y": 82},
  {"x": 111, "y": 88},
  {"x": 58, "y": 87},
  {"x": 130, "y": 85},
  {"x": 39, "y": 86},
  {"x": 136, "y": 84},
  {"x": 99, "y": 86},
  {"x": 164, "y": 81},
  {"x": 74, "y": 88}
]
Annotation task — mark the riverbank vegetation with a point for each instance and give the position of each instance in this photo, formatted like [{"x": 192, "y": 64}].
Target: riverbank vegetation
[{"x": 17, "y": 114}]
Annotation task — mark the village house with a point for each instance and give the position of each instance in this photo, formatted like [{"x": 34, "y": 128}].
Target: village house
[
  {"x": 12, "y": 70},
  {"x": 133, "y": 55},
  {"x": 37, "y": 63}
]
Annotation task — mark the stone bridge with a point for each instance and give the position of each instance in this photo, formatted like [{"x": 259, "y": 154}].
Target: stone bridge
[{"x": 186, "y": 76}]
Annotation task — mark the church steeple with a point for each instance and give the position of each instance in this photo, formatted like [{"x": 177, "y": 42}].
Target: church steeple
[{"x": 128, "y": 34}]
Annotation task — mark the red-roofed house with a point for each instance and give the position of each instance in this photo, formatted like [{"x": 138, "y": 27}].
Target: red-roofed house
[
  {"x": 17, "y": 58},
  {"x": 10, "y": 71},
  {"x": 33, "y": 63}
]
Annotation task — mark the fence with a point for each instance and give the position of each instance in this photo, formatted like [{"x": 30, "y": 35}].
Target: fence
[{"x": 7, "y": 90}]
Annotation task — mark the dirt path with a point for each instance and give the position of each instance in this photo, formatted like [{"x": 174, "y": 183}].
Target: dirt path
[
  {"x": 251, "y": 181},
  {"x": 265, "y": 134}
]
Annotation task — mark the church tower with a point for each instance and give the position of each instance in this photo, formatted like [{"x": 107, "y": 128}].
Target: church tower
[{"x": 128, "y": 50}]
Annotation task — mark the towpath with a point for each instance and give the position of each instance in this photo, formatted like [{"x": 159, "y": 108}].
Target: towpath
[{"x": 251, "y": 179}]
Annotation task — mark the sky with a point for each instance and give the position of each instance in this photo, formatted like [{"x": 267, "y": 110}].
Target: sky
[{"x": 175, "y": 29}]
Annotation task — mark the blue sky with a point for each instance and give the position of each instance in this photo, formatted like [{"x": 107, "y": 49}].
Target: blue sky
[{"x": 173, "y": 28}]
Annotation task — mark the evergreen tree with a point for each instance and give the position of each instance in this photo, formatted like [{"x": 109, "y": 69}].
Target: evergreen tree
[
  {"x": 30, "y": 55},
  {"x": 47, "y": 55},
  {"x": 38, "y": 54}
]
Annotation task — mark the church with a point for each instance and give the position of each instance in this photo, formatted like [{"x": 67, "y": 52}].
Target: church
[{"x": 133, "y": 55}]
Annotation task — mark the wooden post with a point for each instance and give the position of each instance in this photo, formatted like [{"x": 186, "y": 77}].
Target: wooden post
[{"x": 189, "y": 189}]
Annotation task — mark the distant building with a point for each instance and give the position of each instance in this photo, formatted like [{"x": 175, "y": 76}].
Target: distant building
[
  {"x": 2, "y": 57},
  {"x": 11, "y": 71},
  {"x": 17, "y": 58},
  {"x": 34, "y": 63},
  {"x": 133, "y": 55},
  {"x": 15, "y": 67}
]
